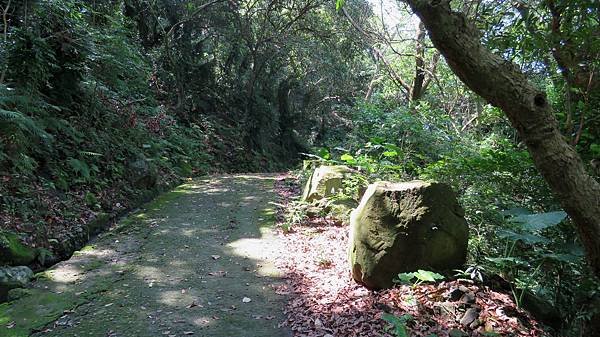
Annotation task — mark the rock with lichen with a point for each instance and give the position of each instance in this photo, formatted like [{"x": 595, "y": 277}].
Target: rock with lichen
[
  {"x": 13, "y": 251},
  {"x": 325, "y": 181},
  {"x": 403, "y": 227}
]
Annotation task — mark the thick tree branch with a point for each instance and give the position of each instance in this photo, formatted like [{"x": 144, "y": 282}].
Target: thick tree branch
[
  {"x": 503, "y": 85},
  {"x": 192, "y": 16}
]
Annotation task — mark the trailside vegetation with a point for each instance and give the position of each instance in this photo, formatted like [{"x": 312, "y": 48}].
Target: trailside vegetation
[{"x": 106, "y": 103}]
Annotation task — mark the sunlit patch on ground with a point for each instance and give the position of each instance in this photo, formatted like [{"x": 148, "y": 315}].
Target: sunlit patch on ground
[{"x": 192, "y": 260}]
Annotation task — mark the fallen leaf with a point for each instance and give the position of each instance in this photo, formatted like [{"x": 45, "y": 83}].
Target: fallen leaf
[{"x": 194, "y": 304}]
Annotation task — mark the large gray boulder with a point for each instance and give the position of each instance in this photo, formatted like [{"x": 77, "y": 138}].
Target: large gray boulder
[
  {"x": 403, "y": 227},
  {"x": 325, "y": 181}
]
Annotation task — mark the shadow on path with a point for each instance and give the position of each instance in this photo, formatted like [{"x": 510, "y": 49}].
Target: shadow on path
[{"x": 193, "y": 262}]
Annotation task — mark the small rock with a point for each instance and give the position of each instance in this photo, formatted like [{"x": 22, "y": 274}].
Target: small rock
[
  {"x": 446, "y": 310},
  {"x": 455, "y": 294},
  {"x": 469, "y": 317},
  {"x": 463, "y": 289},
  {"x": 468, "y": 297},
  {"x": 475, "y": 324}
]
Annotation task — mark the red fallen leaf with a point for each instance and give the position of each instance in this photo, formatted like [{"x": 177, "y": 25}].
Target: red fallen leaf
[{"x": 347, "y": 309}]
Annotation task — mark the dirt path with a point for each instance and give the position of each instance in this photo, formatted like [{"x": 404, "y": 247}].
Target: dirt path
[{"x": 191, "y": 263}]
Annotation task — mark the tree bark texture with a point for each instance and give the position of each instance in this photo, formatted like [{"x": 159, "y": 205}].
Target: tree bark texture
[
  {"x": 416, "y": 89},
  {"x": 503, "y": 85}
]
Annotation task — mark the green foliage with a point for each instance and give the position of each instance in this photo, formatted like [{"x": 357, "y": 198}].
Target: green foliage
[
  {"x": 398, "y": 323},
  {"x": 419, "y": 277},
  {"x": 90, "y": 87},
  {"x": 541, "y": 256},
  {"x": 295, "y": 214}
]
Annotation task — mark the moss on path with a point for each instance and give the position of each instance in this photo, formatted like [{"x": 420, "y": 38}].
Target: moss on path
[{"x": 193, "y": 262}]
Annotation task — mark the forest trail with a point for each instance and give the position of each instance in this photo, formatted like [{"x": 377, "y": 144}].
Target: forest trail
[{"x": 192, "y": 262}]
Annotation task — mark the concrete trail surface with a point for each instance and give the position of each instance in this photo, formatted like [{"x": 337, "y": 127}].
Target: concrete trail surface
[{"x": 191, "y": 263}]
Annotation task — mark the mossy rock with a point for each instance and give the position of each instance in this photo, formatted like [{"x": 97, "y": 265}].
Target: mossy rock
[
  {"x": 325, "y": 181},
  {"x": 341, "y": 209},
  {"x": 13, "y": 252},
  {"x": 18, "y": 293},
  {"x": 13, "y": 277},
  {"x": 142, "y": 173},
  {"x": 35, "y": 309},
  {"x": 403, "y": 227}
]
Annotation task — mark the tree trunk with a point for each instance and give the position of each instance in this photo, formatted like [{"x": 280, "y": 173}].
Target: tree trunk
[
  {"x": 416, "y": 90},
  {"x": 502, "y": 84}
]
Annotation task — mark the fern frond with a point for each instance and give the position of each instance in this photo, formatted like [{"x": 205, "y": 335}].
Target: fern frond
[
  {"x": 24, "y": 123},
  {"x": 90, "y": 154}
]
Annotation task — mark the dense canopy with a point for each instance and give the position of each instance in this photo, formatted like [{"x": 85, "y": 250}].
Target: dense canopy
[{"x": 104, "y": 104}]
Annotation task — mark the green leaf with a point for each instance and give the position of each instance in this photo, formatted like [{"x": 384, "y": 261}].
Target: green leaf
[
  {"x": 568, "y": 258},
  {"x": 503, "y": 261},
  {"x": 540, "y": 221},
  {"x": 339, "y": 4},
  {"x": 595, "y": 149},
  {"x": 390, "y": 153},
  {"x": 347, "y": 158},
  {"x": 428, "y": 276},
  {"x": 324, "y": 153},
  {"x": 79, "y": 167},
  {"x": 406, "y": 277},
  {"x": 377, "y": 140},
  {"x": 516, "y": 211},
  {"x": 399, "y": 323},
  {"x": 527, "y": 238}
]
